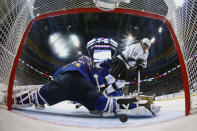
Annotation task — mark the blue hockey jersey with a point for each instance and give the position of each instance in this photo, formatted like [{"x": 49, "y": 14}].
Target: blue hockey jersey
[{"x": 84, "y": 69}]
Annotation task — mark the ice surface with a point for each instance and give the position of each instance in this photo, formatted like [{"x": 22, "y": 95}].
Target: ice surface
[{"x": 65, "y": 113}]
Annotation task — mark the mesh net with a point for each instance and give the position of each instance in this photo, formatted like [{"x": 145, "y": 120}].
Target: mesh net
[{"x": 15, "y": 16}]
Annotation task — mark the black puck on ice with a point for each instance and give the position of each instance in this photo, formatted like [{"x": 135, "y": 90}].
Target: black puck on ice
[
  {"x": 77, "y": 106},
  {"x": 123, "y": 118}
]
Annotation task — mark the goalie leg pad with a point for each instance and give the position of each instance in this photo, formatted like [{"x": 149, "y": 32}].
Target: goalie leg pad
[
  {"x": 22, "y": 99},
  {"x": 28, "y": 98},
  {"x": 104, "y": 104}
]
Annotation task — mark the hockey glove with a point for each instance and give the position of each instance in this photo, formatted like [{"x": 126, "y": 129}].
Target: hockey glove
[
  {"x": 139, "y": 61},
  {"x": 140, "y": 66}
]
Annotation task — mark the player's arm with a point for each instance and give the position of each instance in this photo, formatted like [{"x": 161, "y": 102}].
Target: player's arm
[{"x": 141, "y": 62}]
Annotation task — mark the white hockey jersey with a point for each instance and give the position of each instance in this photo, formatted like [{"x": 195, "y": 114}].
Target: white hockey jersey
[{"x": 135, "y": 52}]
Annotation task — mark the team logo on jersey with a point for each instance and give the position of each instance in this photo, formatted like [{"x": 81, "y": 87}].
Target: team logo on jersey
[{"x": 77, "y": 65}]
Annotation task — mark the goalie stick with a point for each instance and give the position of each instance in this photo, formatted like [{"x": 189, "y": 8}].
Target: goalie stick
[
  {"x": 138, "y": 86},
  {"x": 139, "y": 93},
  {"x": 97, "y": 83}
]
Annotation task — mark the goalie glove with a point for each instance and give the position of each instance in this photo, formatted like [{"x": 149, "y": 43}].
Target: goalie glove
[{"x": 139, "y": 61}]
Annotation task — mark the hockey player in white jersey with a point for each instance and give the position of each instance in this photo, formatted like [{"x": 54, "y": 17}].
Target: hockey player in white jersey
[{"x": 132, "y": 58}]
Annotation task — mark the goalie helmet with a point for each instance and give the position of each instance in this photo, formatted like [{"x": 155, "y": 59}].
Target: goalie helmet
[{"x": 101, "y": 49}]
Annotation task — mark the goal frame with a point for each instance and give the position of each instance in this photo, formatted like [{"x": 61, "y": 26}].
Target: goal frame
[{"x": 96, "y": 10}]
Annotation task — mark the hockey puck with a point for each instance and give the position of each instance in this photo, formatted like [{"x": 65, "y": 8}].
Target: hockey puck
[
  {"x": 77, "y": 106},
  {"x": 123, "y": 118}
]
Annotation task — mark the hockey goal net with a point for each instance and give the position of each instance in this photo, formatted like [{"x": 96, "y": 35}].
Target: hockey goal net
[{"x": 17, "y": 16}]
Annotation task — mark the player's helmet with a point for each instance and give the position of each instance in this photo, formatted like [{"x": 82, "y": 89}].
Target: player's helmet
[
  {"x": 85, "y": 59},
  {"x": 146, "y": 41}
]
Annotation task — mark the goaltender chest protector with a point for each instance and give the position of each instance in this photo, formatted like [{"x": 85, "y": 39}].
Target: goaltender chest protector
[{"x": 81, "y": 67}]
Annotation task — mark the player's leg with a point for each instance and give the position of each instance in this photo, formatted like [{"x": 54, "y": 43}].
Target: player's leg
[
  {"x": 50, "y": 93},
  {"x": 119, "y": 69}
]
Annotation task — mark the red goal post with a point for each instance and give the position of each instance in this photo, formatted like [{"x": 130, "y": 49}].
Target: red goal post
[{"x": 17, "y": 17}]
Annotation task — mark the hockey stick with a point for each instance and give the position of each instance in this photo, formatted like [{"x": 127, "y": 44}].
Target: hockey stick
[
  {"x": 138, "y": 93},
  {"x": 138, "y": 83},
  {"x": 97, "y": 83},
  {"x": 138, "y": 86}
]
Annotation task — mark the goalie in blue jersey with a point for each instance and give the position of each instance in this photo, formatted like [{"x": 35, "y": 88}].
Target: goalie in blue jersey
[{"x": 74, "y": 82}]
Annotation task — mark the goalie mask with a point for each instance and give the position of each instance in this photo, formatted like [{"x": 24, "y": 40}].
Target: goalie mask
[{"x": 101, "y": 49}]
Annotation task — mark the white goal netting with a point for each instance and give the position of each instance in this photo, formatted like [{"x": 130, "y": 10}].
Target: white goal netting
[{"x": 15, "y": 16}]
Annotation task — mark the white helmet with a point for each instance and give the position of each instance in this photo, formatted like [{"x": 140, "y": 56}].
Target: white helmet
[{"x": 147, "y": 41}]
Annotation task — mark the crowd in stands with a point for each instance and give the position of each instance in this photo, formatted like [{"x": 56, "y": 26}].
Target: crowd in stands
[
  {"x": 171, "y": 83},
  {"x": 25, "y": 76}
]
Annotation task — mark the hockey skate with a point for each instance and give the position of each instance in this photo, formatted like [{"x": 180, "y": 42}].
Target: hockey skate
[
  {"x": 27, "y": 98},
  {"x": 147, "y": 102}
]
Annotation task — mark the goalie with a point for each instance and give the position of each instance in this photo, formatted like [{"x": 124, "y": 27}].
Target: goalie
[{"x": 74, "y": 82}]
